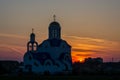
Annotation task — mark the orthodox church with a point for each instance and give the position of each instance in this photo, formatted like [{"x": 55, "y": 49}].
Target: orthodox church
[{"x": 53, "y": 55}]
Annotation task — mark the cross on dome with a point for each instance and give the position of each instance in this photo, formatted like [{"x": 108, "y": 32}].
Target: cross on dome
[
  {"x": 32, "y": 30},
  {"x": 54, "y": 17}
]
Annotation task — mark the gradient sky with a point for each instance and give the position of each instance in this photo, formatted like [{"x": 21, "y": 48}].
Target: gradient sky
[{"x": 91, "y": 27}]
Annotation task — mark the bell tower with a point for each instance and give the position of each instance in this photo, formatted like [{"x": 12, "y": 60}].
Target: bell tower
[{"x": 32, "y": 45}]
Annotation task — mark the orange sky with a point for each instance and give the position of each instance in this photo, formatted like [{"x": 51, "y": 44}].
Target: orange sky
[
  {"x": 14, "y": 46},
  {"x": 83, "y": 47}
]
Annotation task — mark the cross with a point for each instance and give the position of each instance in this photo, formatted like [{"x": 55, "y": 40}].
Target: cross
[
  {"x": 32, "y": 30},
  {"x": 54, "y": 17}
]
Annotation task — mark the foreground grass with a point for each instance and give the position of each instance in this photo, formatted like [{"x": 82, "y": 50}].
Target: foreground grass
[{"x": 70, "y": 77}]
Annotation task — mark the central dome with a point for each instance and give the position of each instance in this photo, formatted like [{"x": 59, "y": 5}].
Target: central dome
[
  {"x": 54, "y": 24},
  {"x": 54, "y": 30}
]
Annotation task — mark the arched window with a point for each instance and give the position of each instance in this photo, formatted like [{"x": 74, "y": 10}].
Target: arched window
[
  {"x": 34, "y": 46},
  {"x": 48, "y": 63},
  {"x": 30, "y": 47},
  {"x": 54, "y": 33}
]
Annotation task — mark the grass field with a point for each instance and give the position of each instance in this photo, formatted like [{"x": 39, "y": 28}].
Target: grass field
[{"x": 81, "y": 77}]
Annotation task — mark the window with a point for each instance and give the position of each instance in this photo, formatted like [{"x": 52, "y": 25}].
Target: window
[
  {"x": 54, "y": 33},
  {"x": 30, "y": 47},
  {"x": 34, "y": 46}
]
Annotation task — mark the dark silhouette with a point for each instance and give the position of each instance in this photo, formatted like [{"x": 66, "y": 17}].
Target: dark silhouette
[
  {"x": 95, "y": 66},
  {"x": 52, "y": 56},
  {"x": 9, "y": 67}
]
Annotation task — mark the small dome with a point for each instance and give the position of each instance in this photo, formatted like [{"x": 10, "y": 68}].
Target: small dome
[{"x": 32, "y": 34}]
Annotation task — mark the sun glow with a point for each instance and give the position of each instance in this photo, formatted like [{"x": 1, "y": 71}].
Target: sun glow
[{"x": 81, "y": 60}]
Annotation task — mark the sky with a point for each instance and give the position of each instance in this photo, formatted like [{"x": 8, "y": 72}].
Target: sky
[{"x": 91, "y": 27}]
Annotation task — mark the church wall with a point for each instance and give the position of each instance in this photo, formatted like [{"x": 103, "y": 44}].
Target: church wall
[{"x": 55, "y": 52}]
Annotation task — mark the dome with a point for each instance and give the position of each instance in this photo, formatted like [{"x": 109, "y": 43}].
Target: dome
[
  {"x": 32, "y": 34},
  {"x": 54, "y": 24},
  {"x": 54, "y": 29},
  {"x": 32, "y": 37}
]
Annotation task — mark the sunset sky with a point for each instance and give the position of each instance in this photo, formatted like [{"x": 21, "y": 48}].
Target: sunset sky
[{"x": 91, "y": 27}]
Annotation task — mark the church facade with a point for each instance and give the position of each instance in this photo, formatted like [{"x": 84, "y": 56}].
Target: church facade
[{"x": 53, "y": 55}]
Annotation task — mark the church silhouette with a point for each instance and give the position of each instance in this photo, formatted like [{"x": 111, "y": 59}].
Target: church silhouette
[{"x": 53, "y": 55}]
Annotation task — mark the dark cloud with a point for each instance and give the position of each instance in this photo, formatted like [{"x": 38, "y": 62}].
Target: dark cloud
[
  {"x": 83, "y": 55},
  {"x": 83, "y": 50}
]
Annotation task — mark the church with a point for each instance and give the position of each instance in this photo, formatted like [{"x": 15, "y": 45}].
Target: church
[{"x": 52, "y": 56}]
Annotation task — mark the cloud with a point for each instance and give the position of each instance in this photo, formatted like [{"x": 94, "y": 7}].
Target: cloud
[
  {"x": 12, "y": 36},
  {"x": 11, "y": 39},
  {"x": 85, "y": 38},
  {"x": 15, "y": 48},
  {"x": 94, "y": 43},
  {"x": 93, "y": 47},
  {"x": 7, "y": 53},
  {"x": 85, "y": 55},
  {"x": 83, "y": 50}
]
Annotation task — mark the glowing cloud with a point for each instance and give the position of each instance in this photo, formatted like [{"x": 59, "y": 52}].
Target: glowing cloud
[{"x": 83, "y": 47}]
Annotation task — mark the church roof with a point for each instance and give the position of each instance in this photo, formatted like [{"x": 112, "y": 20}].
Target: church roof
[{"x": 54, "y": 42}]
